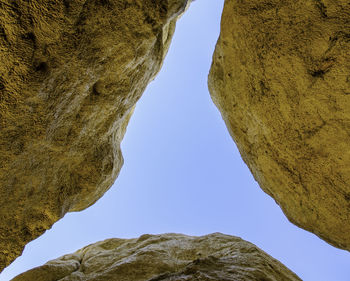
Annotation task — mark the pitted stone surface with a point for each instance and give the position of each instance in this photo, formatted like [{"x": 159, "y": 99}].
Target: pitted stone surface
[
  {"x": 281, "y": 79},
  {"x": 70, "y": 75}
]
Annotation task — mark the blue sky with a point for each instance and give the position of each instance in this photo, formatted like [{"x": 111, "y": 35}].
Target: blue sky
[{"x": 183, "y": 173}]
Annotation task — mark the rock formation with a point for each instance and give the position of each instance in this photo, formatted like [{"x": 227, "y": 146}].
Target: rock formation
[
  {"x": 166, "y": 257},
  {"x": 281, "y": 79},
  {"x": 70, "y": 75}
]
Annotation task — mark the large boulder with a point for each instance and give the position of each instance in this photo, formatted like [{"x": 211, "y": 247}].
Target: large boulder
[
  {"x": 70, "y": 75},
  {"x": 166, "y": 257},
  {"x": 281, "y": 79}
]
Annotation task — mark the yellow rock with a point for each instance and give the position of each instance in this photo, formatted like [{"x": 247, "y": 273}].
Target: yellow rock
[
  {"x": 70, "y": 75},
  {"x": 166, "y": 257},
  {"x": 281, "y": 79}
]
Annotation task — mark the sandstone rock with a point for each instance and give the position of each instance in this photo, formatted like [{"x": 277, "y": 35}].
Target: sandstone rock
[
  {"x": 281, "y": 79},
  {"x": 164, "y": 257},
  {"x": 70, "y": 75}
]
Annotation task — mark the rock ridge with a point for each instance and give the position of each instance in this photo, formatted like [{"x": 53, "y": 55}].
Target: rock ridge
[{"x": 166, "y": 257}]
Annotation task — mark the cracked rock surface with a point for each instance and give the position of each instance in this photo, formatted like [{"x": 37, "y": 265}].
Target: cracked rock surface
[
  {"x": 70, "y": 75},
  {"x": 281, "y": 79},
  {"x": 167, "y": 257}
]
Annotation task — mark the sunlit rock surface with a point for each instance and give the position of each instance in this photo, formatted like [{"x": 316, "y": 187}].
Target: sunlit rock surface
[
  {"x": 281, "y": 79},
  {"x": 70, "y": 75},
  {"x": 167, "y": 257}
]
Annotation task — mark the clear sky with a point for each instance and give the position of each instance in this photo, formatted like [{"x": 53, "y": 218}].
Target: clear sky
[{"x": 183, "y": 173}]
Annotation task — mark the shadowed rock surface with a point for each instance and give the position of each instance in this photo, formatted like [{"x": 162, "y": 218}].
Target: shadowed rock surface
[
  {"x": 70, "y": 75},
  {"x": 167, "y": 257},
  {"x": 281, "y": 79}
]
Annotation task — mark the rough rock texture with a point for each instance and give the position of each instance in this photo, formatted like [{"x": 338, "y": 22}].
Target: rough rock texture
[
  {"x": 70, "y": 74},
  {"x": 281, "y": 79},
  {"x": 166, "y": 257}
]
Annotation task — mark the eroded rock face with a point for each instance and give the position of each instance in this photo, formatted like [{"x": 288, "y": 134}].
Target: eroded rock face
[
  {"x": 281, "y": 79},
  {"x": 166, "y": 257},
  {"x": 70, "y": 75}
]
